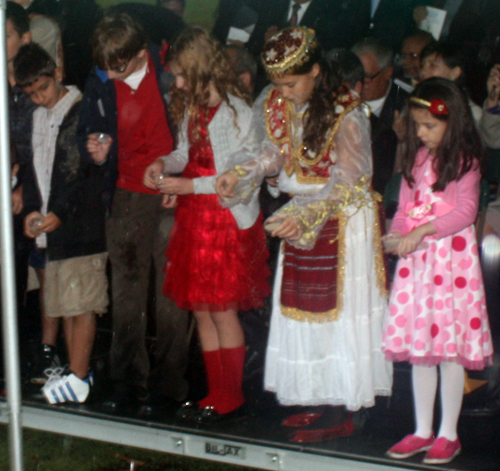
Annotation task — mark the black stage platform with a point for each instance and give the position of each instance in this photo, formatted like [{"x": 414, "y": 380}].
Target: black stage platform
[{"x": 256, "y": 439}]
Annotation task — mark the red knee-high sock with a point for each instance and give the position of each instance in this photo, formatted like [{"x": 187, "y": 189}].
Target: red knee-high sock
[
  {"x": 213, "y": 368},
  {"x": 233, "y": 362}
]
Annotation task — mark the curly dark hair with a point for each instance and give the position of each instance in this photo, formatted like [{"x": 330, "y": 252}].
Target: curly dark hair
[{"x": 460, "y": 149}]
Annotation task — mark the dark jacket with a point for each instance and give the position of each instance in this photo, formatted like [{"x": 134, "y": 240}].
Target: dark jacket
[
  {"x": 384, "y": 146},
  {"x": 392, "y": 21},
  {"x": 75, "y": 197},
  {"x": 99, "y": 114},
  {"x": 20, "y": 121},
  {"x": 395, "y": 100},
  {"x": 336, "y": 22}
]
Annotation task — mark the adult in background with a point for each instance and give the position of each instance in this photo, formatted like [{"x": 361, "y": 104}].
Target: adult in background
[
  {"x": 384, "y": 140},
  {"x": 177, "y": 6},
  {"x": 380, "y": 92},
  {"x": 387, "y": 20},
  {"x": 336, "y": 22},
  {"x": 161, "y": 24},
  {"x": 411, "y": 49},
  {"x": 76, "y": 20}
]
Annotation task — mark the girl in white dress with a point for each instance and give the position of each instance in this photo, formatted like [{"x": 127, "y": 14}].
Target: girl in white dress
[{"x": 330, "y": 292}]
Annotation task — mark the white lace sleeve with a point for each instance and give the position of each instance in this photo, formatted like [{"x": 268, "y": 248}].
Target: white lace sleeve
[
  {"x": 349, "y": 182},
  {"x": 251, "y": 171}
]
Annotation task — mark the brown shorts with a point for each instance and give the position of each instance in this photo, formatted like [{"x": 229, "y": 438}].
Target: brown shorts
[{"x": 76, "y": 285}]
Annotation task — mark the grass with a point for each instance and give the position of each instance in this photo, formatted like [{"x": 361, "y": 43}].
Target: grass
[{"x": 50, "y": 452}]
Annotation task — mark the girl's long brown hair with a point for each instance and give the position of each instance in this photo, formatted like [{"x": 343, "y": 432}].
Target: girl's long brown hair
[
  {"x": 320, "y": 116},
  {"x": 203, "y": 62},
  {"x": 460, "y": 149}
]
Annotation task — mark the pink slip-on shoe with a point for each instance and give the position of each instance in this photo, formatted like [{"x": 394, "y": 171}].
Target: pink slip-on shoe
[
  {"x": 409, "y": 446},
  {"x": 443, "y": 451}
]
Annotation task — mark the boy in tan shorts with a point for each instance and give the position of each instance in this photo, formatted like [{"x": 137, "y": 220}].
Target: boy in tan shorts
[{"x": 63, "y": 198}]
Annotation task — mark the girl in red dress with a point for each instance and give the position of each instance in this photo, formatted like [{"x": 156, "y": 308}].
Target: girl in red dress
[{"x": 216, "y": 256}]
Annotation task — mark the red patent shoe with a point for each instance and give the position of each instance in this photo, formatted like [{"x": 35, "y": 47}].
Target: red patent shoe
[{"x": 320, "y": 435}]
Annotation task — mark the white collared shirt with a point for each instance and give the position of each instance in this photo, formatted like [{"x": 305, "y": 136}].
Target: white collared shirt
[
  {"x": 300, "y": 13},
  {"x": 377, "y": 105},
  {"x": 135, "y": 79},
  {"x": 46, "y": 124}
]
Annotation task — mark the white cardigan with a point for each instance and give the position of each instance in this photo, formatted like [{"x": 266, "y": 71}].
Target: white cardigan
[{"x": 229, "y": 143}]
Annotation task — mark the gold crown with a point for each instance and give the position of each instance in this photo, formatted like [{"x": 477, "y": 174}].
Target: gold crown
[{"x": 288, "y": 50}]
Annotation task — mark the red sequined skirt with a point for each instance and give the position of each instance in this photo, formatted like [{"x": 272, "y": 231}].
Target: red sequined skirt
[{"x": 212, "y": 265}]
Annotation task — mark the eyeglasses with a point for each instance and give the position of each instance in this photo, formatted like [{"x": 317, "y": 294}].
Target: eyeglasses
[
  {"x": 374, "y": 76},
  {"x": 121, "y": 68}
]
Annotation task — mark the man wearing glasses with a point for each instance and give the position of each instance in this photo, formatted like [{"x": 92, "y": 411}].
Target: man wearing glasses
[{"x": 379, "y": 91}]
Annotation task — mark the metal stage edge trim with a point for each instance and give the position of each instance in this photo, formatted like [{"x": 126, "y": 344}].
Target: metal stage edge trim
[{"x": 182, "y": 443}]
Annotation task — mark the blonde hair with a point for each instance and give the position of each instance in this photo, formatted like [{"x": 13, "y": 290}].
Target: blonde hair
[{"x": 203, "y": 62}]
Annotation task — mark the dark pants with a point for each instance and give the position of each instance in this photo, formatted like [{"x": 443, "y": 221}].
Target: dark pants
[{"x": 138, "y": 232}]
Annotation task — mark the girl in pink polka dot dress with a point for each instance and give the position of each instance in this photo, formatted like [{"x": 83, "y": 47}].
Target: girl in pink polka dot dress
[{"x": 437, "y": 310}]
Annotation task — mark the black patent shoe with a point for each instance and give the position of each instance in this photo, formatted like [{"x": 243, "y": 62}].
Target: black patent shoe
[
  {"x": 188, "y": 411},
  {"x": 208, "y": 415},
  {"x": 158, "y": 403},
  {"x": 120, "y": 399}
]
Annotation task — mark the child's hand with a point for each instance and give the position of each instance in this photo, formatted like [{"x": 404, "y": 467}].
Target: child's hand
[
  {"x": 49, "y": 223},
  {"x": 410, "y": 242},
  {"x": 225, "y": 184},
  {"x": 169, "y": 201},
  {"x": 391, "y": 242},
  {"x": 176, "y": 186},
  {"x": 17, "y": 200},
  {"x": 98, "y": 149},
  {"x": 155, "y": 168},
  {"x": 288, "y": 229},
  {"x": 31, "y": 228}
]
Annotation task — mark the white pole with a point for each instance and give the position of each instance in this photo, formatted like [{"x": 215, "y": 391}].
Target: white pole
[{"x": 8, "y": 283}]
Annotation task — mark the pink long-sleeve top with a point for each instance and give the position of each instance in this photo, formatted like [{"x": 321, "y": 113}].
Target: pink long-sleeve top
[{"x": 461, "y": 195}]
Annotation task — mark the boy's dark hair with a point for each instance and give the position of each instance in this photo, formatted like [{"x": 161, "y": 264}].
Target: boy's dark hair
[
  {"x": 31, "y": 63},
  {"x": 20, "y": 19},
  {"x": 348, "y": 65},
  {"x": 460, "y": 149},
  {"x": 451, "y": 53},
  {"x": 117, "y": 39}
]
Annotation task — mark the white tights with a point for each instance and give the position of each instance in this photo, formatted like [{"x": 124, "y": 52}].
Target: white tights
[{"x": 425, "y": 380}]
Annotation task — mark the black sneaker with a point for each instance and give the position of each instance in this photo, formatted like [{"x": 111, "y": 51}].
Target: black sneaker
[{"x": 47, "y": 362}]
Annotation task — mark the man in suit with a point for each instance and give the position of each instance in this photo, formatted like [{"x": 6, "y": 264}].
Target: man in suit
[
  {"x": 384, "y": 139},
  {"x": 336, "y": 22},
  {"x": 388, "y": 20},
  {"x": 467, "y": 21},
  {"x": 379, "y": 91}
]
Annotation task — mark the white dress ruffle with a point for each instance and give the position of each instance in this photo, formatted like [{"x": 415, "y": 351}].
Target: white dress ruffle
[{"x": 339, "y": 362}]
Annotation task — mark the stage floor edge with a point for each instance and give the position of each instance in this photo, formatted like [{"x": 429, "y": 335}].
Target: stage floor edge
[{"x": 180, "y": 442}]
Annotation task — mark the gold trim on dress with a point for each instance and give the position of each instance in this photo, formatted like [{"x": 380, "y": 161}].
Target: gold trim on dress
[
  {"x": 295, "y": 151},
  {"x": 333, "y": 314},
  {"x": 288, "y": 50},
  {"x": 380, "y": 272}
]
